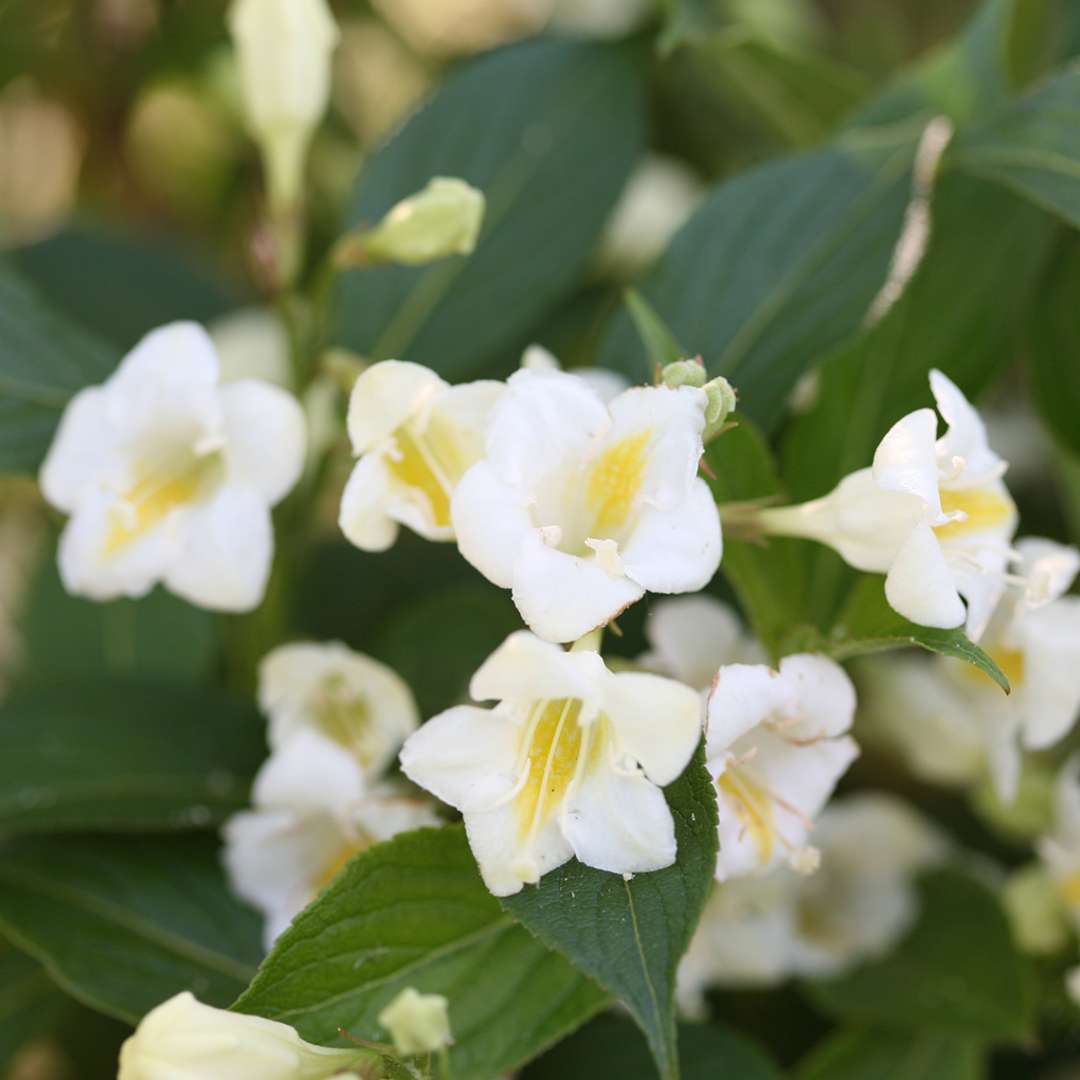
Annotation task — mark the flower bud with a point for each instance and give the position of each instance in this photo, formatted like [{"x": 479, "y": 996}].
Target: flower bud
[
  {"x": 720, "y": 405},
  {"x": 443, "y": 219},
  {"x": 418, "y": 1023},
  {"x": 284, "y": 49},
  {"x": 684, "y": 373},
  {"x": 183, "y": 1039},
  {"x": 1037, "y": 914}
]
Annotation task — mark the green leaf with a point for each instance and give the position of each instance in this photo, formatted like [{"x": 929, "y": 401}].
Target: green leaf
[
  {"x": 68, "y": 637},
  {"x": 661, "y": 348},
  {"x": 414, "y": 912},
  {"x": 1054, "y": 341},
  {"x": 611, "y": 1046},
  {"x": 122, "y": 285},
  {"x": 989, "y": 277},
  {"x": 1032, "y": 148},
  {"x": 45, "y": 360},
  {"x": 122, "y": 923},
  {"x": 629, "y": 935},
  {"x": 768, "y": 577},
  {"x": 124, "y": 756},
  {"x": 881, "y": 1053},
  {"x": 778, "y": 266},
  {"x": 867, "y": 624},
  {"x": 956, "y": 971},
  {"x": 29, "y": 1002},
  {"x": 437, "y": 641},
  {"x": 549, "y": 131}
]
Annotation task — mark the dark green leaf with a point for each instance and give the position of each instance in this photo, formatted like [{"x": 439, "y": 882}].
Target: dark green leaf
[
  {"x": 45, "y": 359},
  {"x": 67, "y": 637},
  {"x": 612, "y": 1046},
  {"x": 988, "y": 277},
  {"x": 867, "y": 624},
  {"x": 776, "y": 268},
  {"x": 123, "y": 923},
  {"x": 1054, "y": 345},
  {"x": 661, "y": 348},
  {"x": 956, "y": 971},
  {"x": 414, "y": 912},
  {"x": 880, "y": 1053},
  {"x": 29, "y": 1002},
  {"x": 124, "y": 756},
  {"x": 549, "y": 131},
  {"x": 436, "y": 642},
  {"x": 1032, "y": 148},
  {"x": 768, "y": 577},
  {"x": 629, "y": 935},
  {"x": 121, "y": 285}
]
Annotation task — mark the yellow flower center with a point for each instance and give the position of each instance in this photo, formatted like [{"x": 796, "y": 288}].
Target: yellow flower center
[
  {"x": 431, "y": 462},
  {"x": 615, "y": 480},
  {"x": 985, "y": 508},
  {"x": 754, "y": 809},
  {"x": 154, "y": 496},
  {"x": 1011, "y": 662},
  {"x": 560, "y": 750},
  {"x": 344, "y": 716}
]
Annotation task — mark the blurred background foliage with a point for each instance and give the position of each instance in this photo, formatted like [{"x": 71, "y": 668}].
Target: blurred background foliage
[{"x": 130, "y": 196}]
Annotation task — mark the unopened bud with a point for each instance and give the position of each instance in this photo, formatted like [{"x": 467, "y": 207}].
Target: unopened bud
[
  {"x": 418, "y": 1023},
  {"x": 684, "y": 373},
  {"x": 284, "y": 49},
  {"x": 442, "y": 219},
  {"x": 720, "y": 405}
]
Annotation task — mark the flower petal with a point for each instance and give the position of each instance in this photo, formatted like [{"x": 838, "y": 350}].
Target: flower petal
[
  {"x": 620, "y": 823},
  {"x": 265, "y": 436},
  {"x": 823, "y": 693},
  {"x": 490, "y": 522},
  {"x": 385, "y": 396},
  {"x": 966, "y": 435},
  {"x": 364, "y": 517},
  {"x": 906, "y": 459},
  {"x": 308, "y": 773},
  {"x": 1049, "y": 695},
  {"x": 743, "y": 695},
  {"x": 690, "y": 637},
  {"x": 228, "y": 546},
  {"x": 657, "y": 722},
  {"x": 505, "y": 864},
  {"x": 81, "y": 451},
  {"x": 525, "y": 668},
  {"x": 919, "y": 585},
  {"x": 465, "y": 756},
  {"x": 562, "y": 597},
  {"x": 676, "y": 550}
]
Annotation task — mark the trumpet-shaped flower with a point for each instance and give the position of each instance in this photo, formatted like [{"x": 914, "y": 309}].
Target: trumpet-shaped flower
[
  {"x": 170, "y": 477},
  {"x": 953, "y": 722},
  {"x": 762, "y": 930},
  {"x": 580, "y": 508},
  {"x": 284, "y": 48},
  {"x": 570, "y": 762},
  {"x": 415, "y": 437},
  {"x": 183, "y": 1039},
  {"x": 312, "y": 812},
  {"x": 690, "y": 637},
  {"x": 776, "y": 744},
  {"x": 418, "y": 1023},
  {"x": 931, "y": 514},
  {"x": 359, "y": 703}
]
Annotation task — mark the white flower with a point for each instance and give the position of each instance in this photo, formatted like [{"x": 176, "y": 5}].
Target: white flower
[
  {"x": 284, "y": 49},
  {"x": 312, "y": 812},
  {"x": 182, "y": 1039},
  {"x": 415, "y": 436},
  {"x": 776, "y": 746},
  {"x": 952, "y": 720},
  {"x": 570, "y": 762},
  {"x": 580, "y": 508},
  {"x": 169, "y": 477},
  {"x": 761, "y": 930},
  {"x": 358, "y": 702},
  {"x": 418, "y": 1023},
  {"x": 691, "y": 636},
  {"x": 933, "y": 516},
  {"x": 607, "y": 384},
  {"x": 659, "y": 196}
]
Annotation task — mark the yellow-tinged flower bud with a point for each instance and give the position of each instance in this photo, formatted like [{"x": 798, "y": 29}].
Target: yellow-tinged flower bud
[
  {"x": 684, "y": 373},
  {"x": 442, "y": 219},
  {"x": 183, "y": 1039},
  {"x": 418, "y": 1023},
  {"x": 1037, "y": 913},
  {"x": 721, "y": 403},
  {"x": 284, "y": 48}
]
